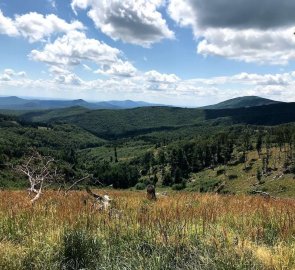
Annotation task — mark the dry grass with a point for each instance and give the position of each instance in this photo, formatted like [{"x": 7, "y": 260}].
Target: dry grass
[{"x": 181, "y": 231}]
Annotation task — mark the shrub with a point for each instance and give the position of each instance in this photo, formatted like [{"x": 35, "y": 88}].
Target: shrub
[
  {"x": 208, "y": 185},
  {"x": 232, "y": 176},
  {"x": 140, "y": 186},
  {"x": 259, "y": 175},
  {"x": 220, "y": 172},
  {"x": 179, "y": 186},
  {"x": 80, "y": 250}
]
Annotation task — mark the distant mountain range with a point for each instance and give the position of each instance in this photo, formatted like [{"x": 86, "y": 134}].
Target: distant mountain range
[
  {"x": 242, "y": 102},
  {"x": 129, "y": 122},
  {"x": 21, "y": 104},
  {"x": 16, "y": 103}
]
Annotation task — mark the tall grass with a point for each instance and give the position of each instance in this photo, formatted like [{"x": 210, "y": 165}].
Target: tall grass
[{"x": 180, "y": 231}]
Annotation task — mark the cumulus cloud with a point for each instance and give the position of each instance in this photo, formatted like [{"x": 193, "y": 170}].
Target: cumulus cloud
[
  {"x": 238, "y": 14},
  {"x": 133, "y": 21},
  {"x": 162, "y": 87},
  {"x": 74, "y": 48},
  {"x": 7, "y": 26},
  {"x": 263, "y": 47},
  {"x": 157, "y": 77},
  {"x": 64, "y": 76},
  {"x": 35, "y": 26},
  {"x": 120, "y": 68},
  {"x": 9, "y": 75},
  {"x": 282, "y": 79},
  {"x": 249, "y": 31}
]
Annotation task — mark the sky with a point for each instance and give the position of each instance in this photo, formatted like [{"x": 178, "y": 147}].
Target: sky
[{"x": 178, "y": 52}]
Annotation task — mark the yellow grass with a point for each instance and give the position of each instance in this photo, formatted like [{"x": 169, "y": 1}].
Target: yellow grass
[{"x": 218, "y": 230}]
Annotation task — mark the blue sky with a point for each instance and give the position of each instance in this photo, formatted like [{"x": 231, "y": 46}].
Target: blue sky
[{"x": 180, "y": 52}]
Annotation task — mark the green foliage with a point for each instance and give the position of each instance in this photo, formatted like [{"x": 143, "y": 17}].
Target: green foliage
[
  {"x": 208, "y": 185},
  {"x": 118, "y": 123},
  {"x": 179, "y": 186},
  {"x": 119, "y": 175},
  {"x": 80, "y": 250},
  {"x": 259, "y": 175},
  {"x": 140, "y": 186},
  {"x": 164, "y": 145},
  {"x": 232, "y": 176}
]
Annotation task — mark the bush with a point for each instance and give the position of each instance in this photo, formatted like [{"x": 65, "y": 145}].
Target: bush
[
  {"x": 232, "y": 176},
  {"x": 209, "y": 185},
  {"x": 140, "y": 186},
  {"x": 220, "y": 172},
  {"x": 179, "y": 186},
  {"x": 80, "y": 250}
]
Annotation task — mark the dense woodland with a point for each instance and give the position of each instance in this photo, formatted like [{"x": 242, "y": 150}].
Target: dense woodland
[{"x": 132, "y": 148}]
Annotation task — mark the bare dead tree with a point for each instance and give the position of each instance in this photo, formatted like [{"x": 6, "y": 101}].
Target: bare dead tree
[
  {"x": 75, "y": 183},
  {"x": 103, "y": 202},
  {"x": 41, "y": 172}
]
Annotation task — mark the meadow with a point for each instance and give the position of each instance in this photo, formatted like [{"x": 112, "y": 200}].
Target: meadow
[{"x": 182, "y": 230}]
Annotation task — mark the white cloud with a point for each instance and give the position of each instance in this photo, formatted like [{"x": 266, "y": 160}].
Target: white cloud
[
  {"x": 7, "y": 26},
  {"x": 35, "y": 26},
  {"x": 183, "y": 13},
  {"x": 249, "y": 31},
  {"x": 74, "y": 48},
  {"x": 133, "y": 21},
  {"x": 9, "y": 72},
  {"x": 5, "y": 77},
  {"x": 119, "y": 68},
  {"x": 10, "y": 75},
  {"x": 82, "y": 4},
  {"x": 263, "y": 47},
  {"x": 265, "y": 79},
  {"x": 157, "y": 77},
  {"x": 64, "y": 76},
  {"x": 153, "y": 86}
]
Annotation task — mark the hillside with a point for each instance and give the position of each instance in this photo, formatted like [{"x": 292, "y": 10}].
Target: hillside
[
  {"x": 108, "y": 123},
  {"x": 241, "y": 102},
  {"x": 173, "y": 147},
  {"x": 273, "y": 114},
  {"x": 242, "y": 178},
  {"x": 114, "y": 123}
]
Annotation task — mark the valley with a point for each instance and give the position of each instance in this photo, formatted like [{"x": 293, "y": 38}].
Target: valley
[{"x": 179, "y": 148}]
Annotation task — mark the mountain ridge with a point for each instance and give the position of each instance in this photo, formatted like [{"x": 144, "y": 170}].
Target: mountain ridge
[
  {"x": 242, "y": 102},
  {"x": 120, "y": 123},
  {"x": 17, "y": 103}
]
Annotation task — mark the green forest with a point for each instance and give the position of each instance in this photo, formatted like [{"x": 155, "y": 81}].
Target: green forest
[{"x": 240, "y": 150}]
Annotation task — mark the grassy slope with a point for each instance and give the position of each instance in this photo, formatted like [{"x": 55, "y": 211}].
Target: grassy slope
[
  {"x": 276, "y": 183},
  {"x": 179, "y": 231}
]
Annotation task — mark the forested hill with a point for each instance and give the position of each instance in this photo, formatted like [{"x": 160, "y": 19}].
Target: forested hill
[
  {"x": 273, "y": 114},
  {"x": 242, "y": 102},
  {"x": 108, "y": 123},
  {"x": 201, "y": 149},
  {"x": 112, "y": 123}
]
